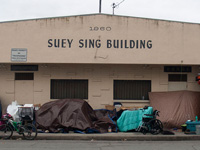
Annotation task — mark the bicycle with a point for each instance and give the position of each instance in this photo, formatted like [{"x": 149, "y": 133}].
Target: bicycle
[
  {"x": 29, "y": 131},
  {"x": 151, "y": 124}
]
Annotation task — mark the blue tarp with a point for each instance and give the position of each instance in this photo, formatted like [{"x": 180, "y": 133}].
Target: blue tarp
[{"x": 130, "y": 120}]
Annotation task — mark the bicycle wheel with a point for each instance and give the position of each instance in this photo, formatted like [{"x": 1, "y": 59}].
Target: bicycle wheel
[
  {"x": 5, "y": 131},
  {"x": 29, "y": 131},
  {"x": 156, "y": 126}
]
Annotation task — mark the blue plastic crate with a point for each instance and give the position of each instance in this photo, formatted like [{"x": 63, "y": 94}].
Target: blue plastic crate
[{"x": 191, "y": 125}]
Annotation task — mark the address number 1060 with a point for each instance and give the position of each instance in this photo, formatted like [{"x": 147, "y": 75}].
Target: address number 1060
[{"x": 100, "y": 28}]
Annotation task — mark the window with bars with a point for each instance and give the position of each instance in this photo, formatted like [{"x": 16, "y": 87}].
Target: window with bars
[
  {"x": 24, "y": 67},
  {"x": 177, "y": 77},
  {"x": 177, "y": 69},
  {"x": 24, "y": 76},
  {"x": 66, "y": 88},
  {"x": 132, "y": 89}
]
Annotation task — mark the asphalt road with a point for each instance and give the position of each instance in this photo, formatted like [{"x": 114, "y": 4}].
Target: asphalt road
[{"x": 97, "y": 145}]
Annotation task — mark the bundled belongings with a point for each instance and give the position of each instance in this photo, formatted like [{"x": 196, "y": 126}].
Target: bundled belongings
[
  {"x": 101, "y": 113},
  {"x": 130, "y": 120},
  {"x": 12, "y": 109},
  {"x": 24, "y": 113},
  {"x": 177, "y": 107},
  {"x": 71, "y": 114}
]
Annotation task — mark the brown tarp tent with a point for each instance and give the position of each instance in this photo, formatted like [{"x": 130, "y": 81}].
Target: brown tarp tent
[
  {"x": 176, "y": 107},
  {"x": 72, "y": 114}
]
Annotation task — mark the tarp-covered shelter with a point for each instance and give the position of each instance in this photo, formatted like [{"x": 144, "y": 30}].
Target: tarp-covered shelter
[
  {"x": 176, "y": 107},
  {"x": 71, "y": 114}
]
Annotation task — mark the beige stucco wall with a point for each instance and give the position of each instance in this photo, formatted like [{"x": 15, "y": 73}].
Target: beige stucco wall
[
  {"x": 172, "y": 42},
  {"x": 100, "y": 79}
]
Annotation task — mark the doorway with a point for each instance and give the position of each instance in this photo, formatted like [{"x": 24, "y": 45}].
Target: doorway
[
  {"x": 177, "y": 82},
  {"x": 24, "y": 87}
]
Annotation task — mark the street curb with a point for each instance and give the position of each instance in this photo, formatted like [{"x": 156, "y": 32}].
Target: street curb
[
  {"x": 122, "y": 138},
  {"x": 112, "y": 137}
]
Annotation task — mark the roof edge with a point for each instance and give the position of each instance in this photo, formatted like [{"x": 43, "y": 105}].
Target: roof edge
[{"x": 97, "y": 14}]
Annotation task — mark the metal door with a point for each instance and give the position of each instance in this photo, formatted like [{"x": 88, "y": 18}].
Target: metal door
[{"x": 24, "y": 91}]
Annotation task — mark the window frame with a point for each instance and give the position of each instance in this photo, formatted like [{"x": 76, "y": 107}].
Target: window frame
[
  {"x": 70, "y": 81},
  {"x": 140, "y": 97},
  {"x": 178, "y": 69},
  {"x": 24, "y": 67},
  {"x": 177, "y": 77},
  {"x": 27, "y": 76}
]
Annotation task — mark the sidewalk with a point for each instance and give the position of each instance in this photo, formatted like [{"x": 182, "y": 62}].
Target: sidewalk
[{"x": 120, "y": 136}]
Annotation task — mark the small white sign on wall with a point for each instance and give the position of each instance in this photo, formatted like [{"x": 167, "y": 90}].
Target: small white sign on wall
[{"x": 19, "y": 54}]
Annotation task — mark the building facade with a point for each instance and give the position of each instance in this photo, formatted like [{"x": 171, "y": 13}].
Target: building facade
[{"x": 99, "y": 58}]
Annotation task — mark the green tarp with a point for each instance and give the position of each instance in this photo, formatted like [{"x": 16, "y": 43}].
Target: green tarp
[{"x": 130, "y": 120}]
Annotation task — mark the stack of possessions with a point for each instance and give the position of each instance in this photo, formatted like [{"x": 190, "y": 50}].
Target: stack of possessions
[
  {"x": 131, "y": 119},
  {"x": 23, "y": 113},
  {"x": 192, "y": 127},
  {"x": 177, "y": 107},
  {"x": 26, "y": 113},
  {"x": 12, "y": 109},
  {"x": 73, "y": 115}
]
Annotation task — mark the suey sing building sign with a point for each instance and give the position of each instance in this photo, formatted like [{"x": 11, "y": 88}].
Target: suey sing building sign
[{"x": 97, "y": 43}]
